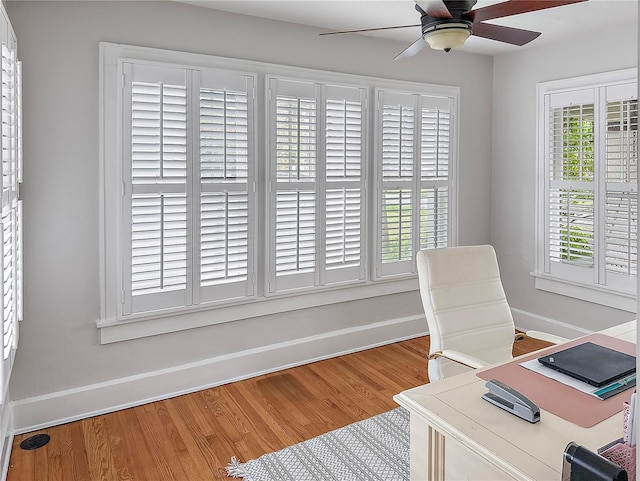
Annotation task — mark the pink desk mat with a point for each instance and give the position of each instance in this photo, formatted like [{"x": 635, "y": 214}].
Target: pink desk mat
[{"x": 563, "y": 401}]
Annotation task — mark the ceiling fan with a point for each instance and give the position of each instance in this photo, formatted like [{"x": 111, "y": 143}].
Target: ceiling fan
[{"x": 447, "y": 24}]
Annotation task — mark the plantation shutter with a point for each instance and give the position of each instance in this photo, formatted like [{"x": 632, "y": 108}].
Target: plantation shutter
[
  {"x": 414, "y": 150},
  {"x": 10, "y": 234},
  {"x": 292, "y": 185},
  {"x": 435, "y": 161},
  {"x": 343, "y": 187},
  {"x": 591, "y": 189},
  {"x": 621, "y": 177},
  {"x": 226, "y": 187},
  {"x": 155, "y": 188},
  {"x": 571, "y": 216},
  {"x": 316, "y": 184}
]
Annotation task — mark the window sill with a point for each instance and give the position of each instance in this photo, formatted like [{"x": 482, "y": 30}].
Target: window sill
[
  {"x": 625, "y": 301},
  {"x": 164, "y": 322}
]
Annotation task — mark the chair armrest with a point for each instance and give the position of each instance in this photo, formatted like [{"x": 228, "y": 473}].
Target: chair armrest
[
  {"x": 545, "y": 336},
  {"x": 459, "y": 357}
]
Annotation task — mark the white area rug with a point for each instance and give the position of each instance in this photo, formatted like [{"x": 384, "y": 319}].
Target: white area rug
[{"x": 374, "y": 449}]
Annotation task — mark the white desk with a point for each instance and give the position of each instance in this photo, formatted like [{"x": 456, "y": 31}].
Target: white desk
[{"x": 455, "y": 435}]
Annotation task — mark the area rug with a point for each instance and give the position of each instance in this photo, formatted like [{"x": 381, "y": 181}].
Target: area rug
[{"x": 374, "y": 449}]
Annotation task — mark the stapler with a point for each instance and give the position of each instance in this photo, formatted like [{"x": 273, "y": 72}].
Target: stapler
[{"x": 511, "y": 401}]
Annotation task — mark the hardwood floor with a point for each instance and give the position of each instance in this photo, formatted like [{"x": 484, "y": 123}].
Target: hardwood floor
[{"x": 192, "y": 437}]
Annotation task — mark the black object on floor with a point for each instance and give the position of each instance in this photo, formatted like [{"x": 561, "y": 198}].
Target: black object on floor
[{"x": 35, "y": 442}]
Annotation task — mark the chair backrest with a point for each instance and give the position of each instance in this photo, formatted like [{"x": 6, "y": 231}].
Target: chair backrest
[{"x": 465, "y": 306}]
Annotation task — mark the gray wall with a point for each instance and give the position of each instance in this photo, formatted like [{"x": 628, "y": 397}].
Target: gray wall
[
  {"x": 514, "y": 162},
  {"x": 58, "y": 44}
]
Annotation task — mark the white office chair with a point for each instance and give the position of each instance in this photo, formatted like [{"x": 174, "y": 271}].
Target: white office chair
[{"x": 467, "y": 313}]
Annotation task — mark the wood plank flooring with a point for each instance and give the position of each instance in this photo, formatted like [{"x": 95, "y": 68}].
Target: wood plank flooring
[{"x": 192, "y": 437}]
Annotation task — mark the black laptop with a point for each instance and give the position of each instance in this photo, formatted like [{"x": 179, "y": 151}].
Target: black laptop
[{"x": 591, "y": 363}]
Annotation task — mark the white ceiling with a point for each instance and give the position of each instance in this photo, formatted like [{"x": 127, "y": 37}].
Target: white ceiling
[{"x": 593, "y": 17}]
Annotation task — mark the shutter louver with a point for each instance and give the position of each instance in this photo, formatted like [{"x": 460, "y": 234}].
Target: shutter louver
[
  {"x": 343, "y": 228},
  {"x": 396, "y": 225},
  {"x": 621, "y": 225},
  {"x": 159, "y": 132},
  {"x": 571, "y": 226},
  {"x": 159, "y": 243},
  {"x": 295, "y": 139},
  {"x": 223, "y": 242},
  {"x": 224, "y": 135},
  {"x": 343, "y": 140},
  {"x": 397, "y": 142},
  {"x": 295, "y": 232},
  {"x": 8, "y": 286},
  {"x": 621, "y": 233},
  {"x": 434, "y": 215},
  {"x": 435, "y": 145}
]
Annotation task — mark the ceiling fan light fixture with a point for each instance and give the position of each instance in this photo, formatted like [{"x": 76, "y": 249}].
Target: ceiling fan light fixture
[{"x": 447, "y": 36}]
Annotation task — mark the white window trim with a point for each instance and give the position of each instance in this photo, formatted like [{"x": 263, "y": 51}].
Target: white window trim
[
  {"x": 543, "y": 280},
  {"x": 114, "y": 328}
]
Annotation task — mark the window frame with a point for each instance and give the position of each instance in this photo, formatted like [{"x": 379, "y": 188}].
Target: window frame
[
  {"x": 567, "y": 282},
  {"x": 114, "y": 327}
]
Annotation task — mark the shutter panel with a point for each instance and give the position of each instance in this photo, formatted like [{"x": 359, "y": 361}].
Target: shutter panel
[
  {"x": 226, "y": 229},
  {"x": 621, "y": 152},
  {"x": 158, "y": 185},
  {"x": 344, "y": 185},
  {"x": 435, "y": 152},
  {"x": 9, "y": 201},
  {"x": 571, "y": 220},
  {"x": 398, "y": 187},
  {"x": 19, "y": 246},
  {"x": 293, "y": 173}
]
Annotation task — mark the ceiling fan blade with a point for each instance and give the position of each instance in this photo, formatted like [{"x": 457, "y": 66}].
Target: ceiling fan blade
[
  {"x": 434, "y": 8},
  {"x": 514, "y": 36},
  {"x": 412, "y": 49},
  {"x": 515, "y": 7},
  {"x": 369, "y": 29}
]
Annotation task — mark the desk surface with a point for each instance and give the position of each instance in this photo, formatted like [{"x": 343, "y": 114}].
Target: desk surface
[{"x": 454, "y": 408}]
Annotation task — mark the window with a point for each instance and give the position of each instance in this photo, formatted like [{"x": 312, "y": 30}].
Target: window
[
  {"x": 415, "y": 183},
  {"x": 209, "y": 206},
  {"x": 316, "y": 184},
  {"x": 187, "y": 187},
  {"x": 589, "y": 166}
]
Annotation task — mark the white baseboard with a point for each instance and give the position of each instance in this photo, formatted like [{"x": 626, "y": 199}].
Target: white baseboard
[
  {"x": 73, "y": 404},
  {"x": 527, "y": 321}
]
